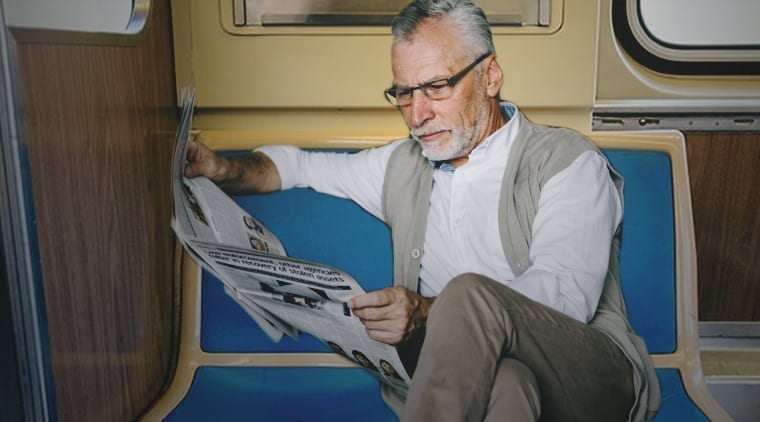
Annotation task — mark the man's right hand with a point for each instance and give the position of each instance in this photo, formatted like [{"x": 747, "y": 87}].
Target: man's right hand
[
  {"x": 244, "y": 174},
  {"x": 201, "y": 161}
]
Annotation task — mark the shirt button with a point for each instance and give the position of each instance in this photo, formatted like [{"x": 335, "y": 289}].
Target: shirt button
[{"x": 416, "y": 254}]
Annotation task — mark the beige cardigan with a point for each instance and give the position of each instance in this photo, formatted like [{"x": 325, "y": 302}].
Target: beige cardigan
[{"x": 538, "y": 153}]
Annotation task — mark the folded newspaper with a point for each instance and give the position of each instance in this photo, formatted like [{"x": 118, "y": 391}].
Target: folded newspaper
[{"x": 282, "y": 295}]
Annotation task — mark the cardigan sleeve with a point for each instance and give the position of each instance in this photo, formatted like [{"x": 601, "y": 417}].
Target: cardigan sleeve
[{"x": 579, "y": 211}]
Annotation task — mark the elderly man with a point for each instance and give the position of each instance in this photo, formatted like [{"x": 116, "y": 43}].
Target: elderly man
[{"x": 506, "y": 301}]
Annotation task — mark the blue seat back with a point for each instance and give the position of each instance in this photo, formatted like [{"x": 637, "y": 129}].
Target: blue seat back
[
  {"x": 647, "y": 255},
  {"x": 334, "y": 231}
]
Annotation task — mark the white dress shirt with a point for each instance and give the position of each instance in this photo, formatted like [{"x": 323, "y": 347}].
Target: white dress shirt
[{"x": 578, "y": 213}]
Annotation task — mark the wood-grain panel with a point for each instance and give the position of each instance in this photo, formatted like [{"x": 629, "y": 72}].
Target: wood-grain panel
[
  {"x": 723, "y": 169},
  {"x": 100, "y": 123}
]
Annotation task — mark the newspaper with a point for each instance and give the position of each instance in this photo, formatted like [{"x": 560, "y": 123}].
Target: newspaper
[{"x": 283, "y": 295}]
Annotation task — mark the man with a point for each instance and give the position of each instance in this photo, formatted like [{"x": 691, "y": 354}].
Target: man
[{"x": 505, "y": 238}]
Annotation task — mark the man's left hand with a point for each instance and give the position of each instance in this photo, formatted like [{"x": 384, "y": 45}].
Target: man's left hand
[{"x": 392, "y": 314}]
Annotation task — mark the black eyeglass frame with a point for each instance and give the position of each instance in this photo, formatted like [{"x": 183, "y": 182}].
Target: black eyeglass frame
[{"x": 392, "y": 92}]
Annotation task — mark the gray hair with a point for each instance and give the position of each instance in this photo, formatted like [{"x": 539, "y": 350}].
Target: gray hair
[{"x": 467, "y": 17}]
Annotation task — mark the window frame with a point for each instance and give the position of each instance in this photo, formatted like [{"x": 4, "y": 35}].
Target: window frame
[
  {"x": 233, "y": 17},
  {"x": 661, "y": 57}
]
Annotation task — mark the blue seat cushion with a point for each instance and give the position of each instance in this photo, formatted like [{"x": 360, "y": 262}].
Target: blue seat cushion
[
  {"x": 334, "y": 395},
  {"x": 282, "y": 394},
  {"x": 676, "y": 404}
]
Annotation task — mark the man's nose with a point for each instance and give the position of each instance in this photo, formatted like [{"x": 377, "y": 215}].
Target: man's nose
[{"x": 420, "y": 110}]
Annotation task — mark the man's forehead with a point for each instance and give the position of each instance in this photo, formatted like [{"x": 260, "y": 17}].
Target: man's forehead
[{"x": 414, "y": 63}]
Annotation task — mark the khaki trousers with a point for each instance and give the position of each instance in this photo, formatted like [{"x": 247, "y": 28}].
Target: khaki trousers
[{"x": 490, "y": 353}]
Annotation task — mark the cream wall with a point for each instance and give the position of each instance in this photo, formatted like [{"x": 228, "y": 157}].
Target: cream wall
[{"x": 282, "y": 85}]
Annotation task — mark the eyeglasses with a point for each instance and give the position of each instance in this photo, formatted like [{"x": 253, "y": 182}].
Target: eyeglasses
[{"x": 439, "y": 89}]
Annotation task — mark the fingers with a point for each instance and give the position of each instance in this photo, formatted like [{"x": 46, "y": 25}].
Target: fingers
[
  {"x": 384, "y": 313},
  {"x": 388, "y": 329},
  {"x": 196, "y": 159},
  {"x": 378, "y": 298},
  {"x": 192, "y": 169},
  {"x": 195, "y": 151},
  {"x": 386, "y": 325},
  {"x": 388, "y": 337},
  {"x": 201, "y": 161},
  {"x": 201, "y": 168},
  {"x": 387, "y": 317}
]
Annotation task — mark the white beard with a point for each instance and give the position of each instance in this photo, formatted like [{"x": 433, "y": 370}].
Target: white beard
[
  {"x": 457, "y": 146},
  {"x": 460, "y": 144}
]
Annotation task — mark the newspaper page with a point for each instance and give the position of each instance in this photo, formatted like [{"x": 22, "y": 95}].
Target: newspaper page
[
  {"x": 193, "y": 219},
  {"x": 283, "y": 295}
]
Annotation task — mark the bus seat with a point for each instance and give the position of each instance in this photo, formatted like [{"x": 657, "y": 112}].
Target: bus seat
[{"x": 229, "y": 369}]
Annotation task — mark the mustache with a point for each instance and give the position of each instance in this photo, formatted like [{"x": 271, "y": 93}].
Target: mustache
[{"x": 427, "y": 129}]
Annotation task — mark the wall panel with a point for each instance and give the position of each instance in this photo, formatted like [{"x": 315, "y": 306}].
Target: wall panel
[
  {"x": 723, "y": 169},
  {"x": 100, "y": 124}
]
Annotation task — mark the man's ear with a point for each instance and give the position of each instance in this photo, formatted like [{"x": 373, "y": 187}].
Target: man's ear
[{"x": 494, "y": 77}]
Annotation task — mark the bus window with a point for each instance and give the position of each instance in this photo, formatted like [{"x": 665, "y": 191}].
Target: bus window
[{"x": 690, "y": 37}]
